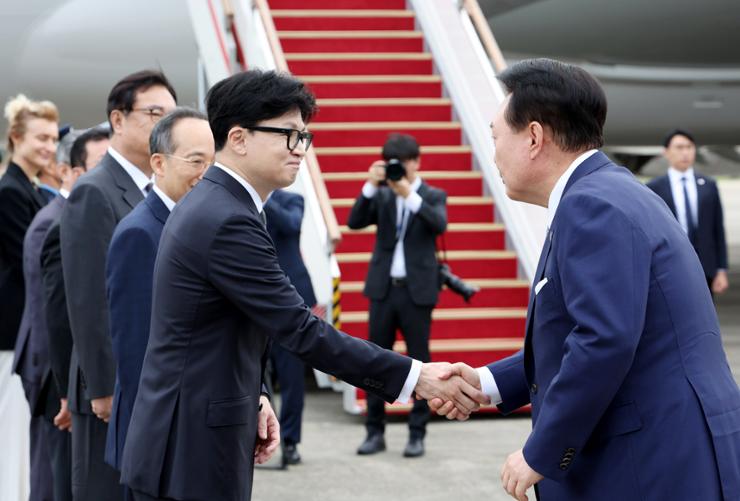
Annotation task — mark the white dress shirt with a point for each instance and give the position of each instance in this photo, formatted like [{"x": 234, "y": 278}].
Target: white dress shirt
[
  {"x": 404, "y": 208},
  {"x": 139, "y": 178},
  {"x": 167, "y": 201},
  {"x": 674, "y": 176},
  {"x": 64, "y": 193},
  {"x": 487, "y": 381},
  {"x": 415, "y": 372}
]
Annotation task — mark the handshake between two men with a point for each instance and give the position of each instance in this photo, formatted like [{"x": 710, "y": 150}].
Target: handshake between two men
[{"x": 453, "y": 390}]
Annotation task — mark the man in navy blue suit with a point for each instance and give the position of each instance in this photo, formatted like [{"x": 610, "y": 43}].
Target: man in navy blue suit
[
  {"x": 694, "y": 200},
  {"x": 284, "y": 215},
  {"x": 200, "y": 420},
  {"x": 181, "y": 145},
  {"x": 632, "y": 396}
]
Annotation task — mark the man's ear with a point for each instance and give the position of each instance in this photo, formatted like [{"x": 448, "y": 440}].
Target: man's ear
[
  {"x": 156, "y": 161},
  {"x": 116, "y": 120},
  {"x": 536, "y": 138},
  {"x": 235, "y": 140}
]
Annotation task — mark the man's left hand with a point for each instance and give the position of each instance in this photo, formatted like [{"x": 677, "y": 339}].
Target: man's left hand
[
  {"x": 402, "y": 187},
  {"x": 720, "y": 282},
  {"x": 517, "y": 476},
  {"x": 268, "y": 433}
]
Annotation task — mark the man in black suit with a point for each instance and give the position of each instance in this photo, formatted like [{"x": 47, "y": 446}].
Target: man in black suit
[
  {"x": 402, "y": 281},
  {"x": 284, "y": 214},
  {"x": 694, "y": 200},
  {"x": 98, "y": 202},
  {"x": 200, "y": 421}
]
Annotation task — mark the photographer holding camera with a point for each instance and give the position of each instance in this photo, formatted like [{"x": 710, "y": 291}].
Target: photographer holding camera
[{"x": 402, "y": 281}]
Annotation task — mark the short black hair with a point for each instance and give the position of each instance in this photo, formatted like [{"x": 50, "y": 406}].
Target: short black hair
[
  {"x": 401, "y": 146},
  {"x": 161, "y": 140},
  {"x": 677, "y": 132},
  {"x": 249, "y": 97},
  {"x": 123, "y": 94},
  {"x": 78, "y": 153},
  {"x": 561, "y": 96}
]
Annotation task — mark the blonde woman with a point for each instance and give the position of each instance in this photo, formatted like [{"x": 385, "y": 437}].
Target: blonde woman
[{"x": 32, "y": 140}]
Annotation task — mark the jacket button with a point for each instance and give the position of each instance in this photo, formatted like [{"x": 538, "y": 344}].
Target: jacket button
[
  {"x": 533, "y": 388},
  {"x": 571, "y": 450},
  {"x": 563, "y": 466}
]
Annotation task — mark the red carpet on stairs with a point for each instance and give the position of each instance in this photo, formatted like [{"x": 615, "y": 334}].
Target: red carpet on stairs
[{"x": 366, "y": 63}]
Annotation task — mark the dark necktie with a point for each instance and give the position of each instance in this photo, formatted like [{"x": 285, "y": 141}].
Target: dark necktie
[
  {"x": 690, "y": 226},
  {"x": 148, "y": 187},
  {"x": 400, "y": 224}
]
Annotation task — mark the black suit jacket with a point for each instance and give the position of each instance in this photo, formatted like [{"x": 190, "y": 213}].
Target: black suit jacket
[
  {"x": 710, "y": 234},
  {"x": 32, "y": 347},
  {"x": 55, "y": 306},
  {"x": 219, "y": 296},
  {"x": 19, "y": 203},
  {"x": 99, "y": 200},
  {"x": 419, "y": 243}
]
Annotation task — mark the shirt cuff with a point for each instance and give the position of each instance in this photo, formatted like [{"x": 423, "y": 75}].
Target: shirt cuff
[
  {"x": 410, "y": 384},
  {"x": 488, "y": 385},
  {"x": 369, "y": 190},
  {"x": 413, "y": 202}
]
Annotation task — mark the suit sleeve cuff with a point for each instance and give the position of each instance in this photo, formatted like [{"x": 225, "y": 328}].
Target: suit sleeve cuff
[
  {"x": 488, "y": 385},
  {"x": 413, "y": 202},
  {"x": 410, "y": 384},
  {"x": 369, "y": 190}
]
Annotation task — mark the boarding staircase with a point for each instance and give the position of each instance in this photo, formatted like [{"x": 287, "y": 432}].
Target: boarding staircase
[{"x": 370, "y": 72}]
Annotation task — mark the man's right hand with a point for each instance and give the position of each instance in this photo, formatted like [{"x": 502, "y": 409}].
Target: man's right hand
[
  {"x": 449, "y": 409},
  {"x": 63, "y": 419},
  {"x": 457, "y": 386},
  {"x": 101, "y": 407},
  {"x": 376, "y": 173}
]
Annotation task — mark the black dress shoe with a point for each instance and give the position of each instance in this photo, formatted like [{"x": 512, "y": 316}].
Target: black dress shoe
[
  {"x": 290, "y": 454},
  {"x": 373, "y": 443},
  {"x": 414, "y": 448}
]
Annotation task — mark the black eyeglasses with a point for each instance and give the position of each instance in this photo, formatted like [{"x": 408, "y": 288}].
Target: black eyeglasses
[{"x": 294, "y": 136}]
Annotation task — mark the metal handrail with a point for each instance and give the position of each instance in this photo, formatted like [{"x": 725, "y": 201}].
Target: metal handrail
[
  {"x": 485, "y": 34},
  {"x": 330, "y": 219}
]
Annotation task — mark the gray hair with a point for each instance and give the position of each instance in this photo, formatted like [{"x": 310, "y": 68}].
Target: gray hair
[
  {"x": 64, "y": 148},
  {"x": 161, "y": 140}
]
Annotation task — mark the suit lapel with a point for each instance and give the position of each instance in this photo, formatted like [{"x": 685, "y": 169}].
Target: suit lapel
[
  {"x": 422, "y": 191},
  {"x": 157, "y": 207},
  {"x": 131, "y": 193},
  {"x": 16, "y": 172},
  {"x": 701, "y": 194},
  {"x": 220, "y": 176}
]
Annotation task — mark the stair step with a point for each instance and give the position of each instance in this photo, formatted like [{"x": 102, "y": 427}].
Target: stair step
[
  {"x": 384, "y": 110},
  {"x": 466, "y": 264},
  {"x": 342, "y": 19},
  {"x": 359, "y": 158},
  {"x": 459, "y": 236},
  {"x": 493, "y": 293},
  {"x": 461, "y": 183},
  {"x": 351, "y": 41},
  {"x": 335, "y": 4},
  {"x": 375, "y": 133},
  {"x": 459, "y": 209},
  {"x": 363, "y": 63},
  {"x": 374, "y": 86}
]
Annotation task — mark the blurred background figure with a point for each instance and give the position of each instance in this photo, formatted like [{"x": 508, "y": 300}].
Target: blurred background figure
[
  {"x": 284, "y": 213},
  {"x": 50, "y": 446},
  {"x": 32, "y": 142},
  {"x": 50, "y": 177},
  {"x": 402, "y": 281},
  {"x": 182, "y": 147},
  {"x": 694, "y": 200}
]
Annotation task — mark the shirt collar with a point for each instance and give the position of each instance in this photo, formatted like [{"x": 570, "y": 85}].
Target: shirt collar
[
  {"x": 64, "y": 192},
  {"x": 138, "y": 177},
  {"x": 676, "y": 175},
  {"x": 557, "y": 192},
  {"x": 168, "y": 202},
  {"x": 252, "y": 192}
]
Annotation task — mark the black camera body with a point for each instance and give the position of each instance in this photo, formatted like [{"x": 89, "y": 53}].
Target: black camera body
[
  {"x": 455, "y": 283},
  {"x": 394, "y": 171}
]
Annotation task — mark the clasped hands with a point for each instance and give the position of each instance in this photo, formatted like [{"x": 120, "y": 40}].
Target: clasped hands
[{"x": 453, "y": 390}]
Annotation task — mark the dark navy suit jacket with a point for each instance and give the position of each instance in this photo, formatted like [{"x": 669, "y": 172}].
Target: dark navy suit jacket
[
  {"x": 32, "y": 346},
  {"x": 632, "y": 396},
  {"x": 219, "y": 296},
  {"x": 710, "y": 242},
  {"x": 284, "y": 212},
  {"x": 128, "y": 278}
]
